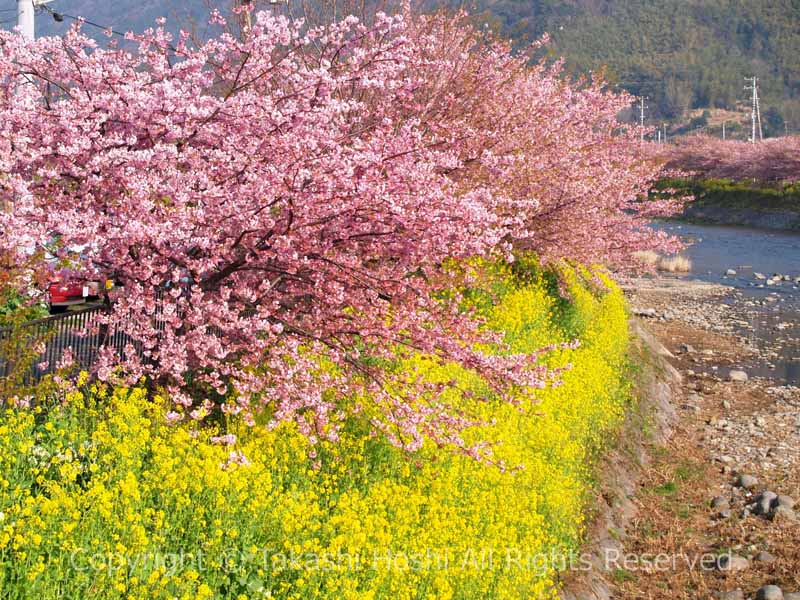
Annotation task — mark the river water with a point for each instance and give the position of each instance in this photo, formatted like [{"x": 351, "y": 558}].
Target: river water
[{"x": 772, "y": 311}]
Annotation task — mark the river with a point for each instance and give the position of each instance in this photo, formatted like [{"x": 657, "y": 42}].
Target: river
[{"x": 771, "y": 310}]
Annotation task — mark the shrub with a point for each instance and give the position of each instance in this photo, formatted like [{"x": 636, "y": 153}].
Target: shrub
[
  {"x": 759, "y": 196},
  {"x": 647, "y": 258},
  {"x": 675, "y": 264}
]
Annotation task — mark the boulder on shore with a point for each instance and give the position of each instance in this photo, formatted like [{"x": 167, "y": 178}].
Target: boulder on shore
[{"x": 737, "y": 375}]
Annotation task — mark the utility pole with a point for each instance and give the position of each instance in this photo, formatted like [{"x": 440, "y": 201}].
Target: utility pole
[
  {"x": 755, "y": 115},
  {"x": 247, "y": 18},
  {"x": 723, "y": 130},
  {"x": 26, "y": 18},
  {"x": 641, "y": 118},
  {"x": 665, "y": 133},
  {"x": 26, "y": 22},
  {"x": 758, "y": 117},
  {"x": 753, "y": 112}
]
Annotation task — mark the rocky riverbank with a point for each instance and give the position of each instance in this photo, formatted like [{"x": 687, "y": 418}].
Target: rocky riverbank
[{"x": 722, "y": 488}]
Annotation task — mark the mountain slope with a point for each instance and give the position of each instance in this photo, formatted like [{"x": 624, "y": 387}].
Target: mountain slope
[{"x": 682, "y": 54}]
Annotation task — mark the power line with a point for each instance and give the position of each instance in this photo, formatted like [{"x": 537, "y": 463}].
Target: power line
[{"x": 60, "y": 16}]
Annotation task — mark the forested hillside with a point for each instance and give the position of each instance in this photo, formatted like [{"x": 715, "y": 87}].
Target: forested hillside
[{"x": 682, "y": 54}]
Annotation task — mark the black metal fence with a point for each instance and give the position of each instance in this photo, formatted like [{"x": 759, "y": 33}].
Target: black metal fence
[{"x": 42, "y": 343}]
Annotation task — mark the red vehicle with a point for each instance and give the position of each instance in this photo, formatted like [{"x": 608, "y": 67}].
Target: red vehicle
[{"x": 64, "y": 293}]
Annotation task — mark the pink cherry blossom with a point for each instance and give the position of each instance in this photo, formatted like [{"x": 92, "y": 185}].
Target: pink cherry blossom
[
  {"x": 775, "y": 160},
  {"x": 225, "y": 440},
  {"x": 281, "y": 211}
]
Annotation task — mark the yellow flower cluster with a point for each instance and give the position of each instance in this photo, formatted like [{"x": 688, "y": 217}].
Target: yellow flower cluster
[{"x": 102, "y": 498}]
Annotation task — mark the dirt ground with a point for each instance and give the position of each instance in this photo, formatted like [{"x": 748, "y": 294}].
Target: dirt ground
[{"x": 726, "y": 429}]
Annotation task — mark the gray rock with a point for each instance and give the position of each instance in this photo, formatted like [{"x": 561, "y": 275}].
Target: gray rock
[
  {"x": 726, "y": 405},
  {"x": 738, "y": 376},
  {"x": 782, "y": 514},
  {"x": 791, "y": 596},
  {"x": 765, "y": 557},
  {"x": 769, "y": 592},
  {"x": 651, "y": 313},
  {"x": 685, "y": 349},
  {"x": 747, "y": 482},
  {"x": 725, "y": 513},
  {"x": 768, "y": 496},
  {"x": 720, "y": 503},
  {"x": 731, "y": 272},
  {"x": 763, "y": 506},
  {"x": 732, "y": 563},
  {"x": 759, "y": 276},
  {"x": 783, "y": 500},
  {"x": 732, "y": 595}
]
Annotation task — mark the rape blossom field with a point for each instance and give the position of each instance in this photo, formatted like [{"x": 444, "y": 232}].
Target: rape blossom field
[
  {"x": 360, "y": 351},
  {"x": 103, "y": 498}
]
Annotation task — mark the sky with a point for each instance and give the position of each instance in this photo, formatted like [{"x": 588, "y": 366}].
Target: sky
[{"x": 122, "y": 15}]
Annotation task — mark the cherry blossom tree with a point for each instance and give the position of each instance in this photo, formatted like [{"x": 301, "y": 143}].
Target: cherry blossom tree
[
  {"x": 568, "y": 175},
  {"x": 281, "y": 209},
  {"x": 776, "y": 160}
]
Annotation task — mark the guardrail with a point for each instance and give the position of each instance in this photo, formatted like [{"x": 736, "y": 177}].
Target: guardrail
[{"x": 81, "y": 331}]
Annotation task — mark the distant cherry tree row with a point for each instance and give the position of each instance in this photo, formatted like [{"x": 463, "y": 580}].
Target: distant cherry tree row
[{"x": 775, "y": 160}]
